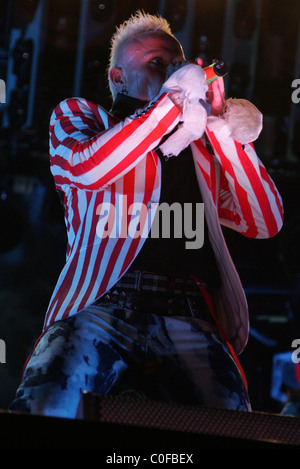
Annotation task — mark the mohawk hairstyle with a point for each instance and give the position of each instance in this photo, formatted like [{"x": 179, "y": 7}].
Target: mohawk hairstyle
[{"x": 138, "y": 23}]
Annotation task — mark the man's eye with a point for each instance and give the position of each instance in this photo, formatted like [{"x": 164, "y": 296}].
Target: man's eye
[{"x": 156, "y": 61}]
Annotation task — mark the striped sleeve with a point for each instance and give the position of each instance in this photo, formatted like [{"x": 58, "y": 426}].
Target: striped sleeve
[
  {"x": 249, "y": 201},
  {"x": 88, "y": 154}
]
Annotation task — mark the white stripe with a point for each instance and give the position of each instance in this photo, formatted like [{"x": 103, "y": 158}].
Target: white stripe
[{"x": 273, "y": 201}]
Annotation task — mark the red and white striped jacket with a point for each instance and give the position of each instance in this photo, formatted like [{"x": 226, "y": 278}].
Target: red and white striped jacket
[{"x": 96, "y": 159}]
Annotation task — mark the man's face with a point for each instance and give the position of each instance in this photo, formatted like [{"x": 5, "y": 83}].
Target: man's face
[{"x": 144, "y": 63}]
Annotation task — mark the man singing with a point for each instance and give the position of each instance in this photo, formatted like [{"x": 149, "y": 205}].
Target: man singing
[{"x": 138, "y": 313}]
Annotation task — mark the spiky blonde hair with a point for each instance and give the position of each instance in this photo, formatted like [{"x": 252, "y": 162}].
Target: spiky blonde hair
[{"x": 138, "y": 23}]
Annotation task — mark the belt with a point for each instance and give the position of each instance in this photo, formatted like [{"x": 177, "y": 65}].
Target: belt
[
  {"x": 147, "y": 281},
  {"x": 178, "y": 297}
]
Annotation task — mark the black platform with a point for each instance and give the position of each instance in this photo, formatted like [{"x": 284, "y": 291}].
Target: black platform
[{"x": 112, "y": 424}]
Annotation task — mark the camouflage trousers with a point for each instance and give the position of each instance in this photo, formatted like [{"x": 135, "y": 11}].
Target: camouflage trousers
[{"x": 108, "y": 348}]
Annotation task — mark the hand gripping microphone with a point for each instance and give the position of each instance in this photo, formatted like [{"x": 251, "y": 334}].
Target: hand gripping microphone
[{"x": 215, "y": 70}]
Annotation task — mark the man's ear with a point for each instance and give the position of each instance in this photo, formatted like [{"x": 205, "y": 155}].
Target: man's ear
[{"x": 117, "y": 78}]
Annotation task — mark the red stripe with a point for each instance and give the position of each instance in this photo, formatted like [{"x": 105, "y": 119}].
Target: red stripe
[
  {"x": 61, "y": 293},
  {"x": 297, "y": 372},
  {"x": 34, "y": 346},
  {"x": 76, "y": 215},
  {"x": 252, "y": 230},
  {"x": 227, "y": 214},
  {"x": 205, "y": 175},
  {"x": 224, "y": 185},
  {"x": 55, "y": 142},
  {"x": 149, "y": 187},
  {"x": 95, "y": 111},
  {"x": 69, "y": 128},
  {"x": 202, "y": 148},
  {"x": 200, "y": 145},
  {"x": 128, "y": 189},
  {"x": 74, "y": 107},
  {"x": 208, "y": 299},
  {"x": 267, "y": 179}
]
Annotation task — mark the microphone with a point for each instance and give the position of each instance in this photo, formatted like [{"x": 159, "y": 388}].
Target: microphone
[{"x": 215, "y": 70}]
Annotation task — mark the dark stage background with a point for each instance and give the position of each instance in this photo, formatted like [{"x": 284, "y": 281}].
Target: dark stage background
[{"x": 51, "y": 50}]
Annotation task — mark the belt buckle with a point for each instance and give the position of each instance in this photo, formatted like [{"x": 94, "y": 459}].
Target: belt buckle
[{"x": 142, "y": 284}]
